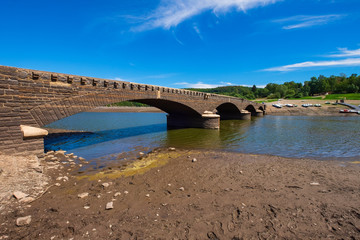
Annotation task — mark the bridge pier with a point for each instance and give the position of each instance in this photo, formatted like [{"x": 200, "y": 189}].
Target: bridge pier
[
  {"x": 258, "y": 113},
  {"x": 244, "y": 115},
  {"x": 207, "y": 120}
]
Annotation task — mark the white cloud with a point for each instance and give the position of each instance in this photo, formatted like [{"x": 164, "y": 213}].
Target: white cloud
[
  {"x": 303, "y": 21},
  {"x": 171, "y": 13},
  {"x": 201, "y": 85},
  {"x": 344, "y": 52},
  {"x": 330, "y": 63}
]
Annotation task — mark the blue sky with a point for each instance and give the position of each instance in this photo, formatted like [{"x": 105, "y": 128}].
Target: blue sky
[{"x": 184, "y": 43}]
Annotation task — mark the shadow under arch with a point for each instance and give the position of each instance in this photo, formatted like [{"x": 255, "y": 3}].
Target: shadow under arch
[
  {"x": 170, "y": 107},
  {"x": 251, "y": 109},
  {"x": 228, "y": 111}
]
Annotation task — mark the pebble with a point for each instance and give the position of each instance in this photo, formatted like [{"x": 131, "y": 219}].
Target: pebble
[
  {"x": 57, "y": 184},
  {"x": 105, "y": 185},
  {"x": 81, "y": 159},
  {"x": 182, "y": 189},
  {"x": 82, "y": 195},
  {"x": 27, "y": 200},
  {"x": 117, "y": 194},
  {"x": 314, "y": 184},
  {"x": 23, "y": 221},
  {"x": 109, "y": 206},
  {"x": 86, "y": 207},
  {"x": 141, "y": 153},
  {"x": 172, "y": 149},
  {"x": 126, "y": 192},
  {"x": 20, "y": 195},
  {"x": 194, "y": 160},
  {"x": 147, "y": 195}
]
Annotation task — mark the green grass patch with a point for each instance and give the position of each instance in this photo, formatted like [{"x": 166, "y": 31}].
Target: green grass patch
[{"x": 348, "y": 96}]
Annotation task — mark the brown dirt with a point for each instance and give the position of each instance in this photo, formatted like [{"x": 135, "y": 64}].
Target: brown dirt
[{"x": 222, "y": 195}]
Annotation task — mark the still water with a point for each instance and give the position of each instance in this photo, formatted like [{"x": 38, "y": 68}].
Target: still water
[{"x": 288, "y": 136}]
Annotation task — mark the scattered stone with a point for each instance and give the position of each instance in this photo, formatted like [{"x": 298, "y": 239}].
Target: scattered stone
[
  {"x": 169, "y": 184},
  {"x": 194, "y": 160},
  {"x": 126, "y": 192},
  {"x": 86, "y": 207},
  {"x": 117, "y": 194},
  {"x": 23, "y": 221},
  {"x": 314, "y": 184},
  {"x": 82, "y": 195},
  {"x": 172, "y": 149},
  {"x": 20, "y": 195},
  {"x": 141, "y": 153},
  {"x": 182, "y": 189},
  {"x": 147, "y": 195},
  {"x": 105, "y": 185},
  {"x": 241, "y": 172},
  {"x": 57, "y": 184},
  {"x": 27, "y": 200},
  {"x": 81, "y": 159},
  {"x": 109, "y": 206}
]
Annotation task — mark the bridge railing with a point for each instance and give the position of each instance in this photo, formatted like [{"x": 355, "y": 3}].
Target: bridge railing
[{"x": 81, "y": 81}]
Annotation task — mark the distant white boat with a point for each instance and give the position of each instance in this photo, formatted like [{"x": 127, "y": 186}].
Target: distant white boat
[{"x": 277, "y": 105}]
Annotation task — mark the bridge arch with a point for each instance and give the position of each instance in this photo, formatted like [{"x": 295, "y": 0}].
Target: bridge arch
[
  {"x": 170, "y": 107},
  {"x": 251, "y": 109},
  {"x": 228, "y": 111}
]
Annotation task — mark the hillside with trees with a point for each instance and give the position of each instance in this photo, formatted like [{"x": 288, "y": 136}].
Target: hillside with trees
[{"x": 316, "y": 86}]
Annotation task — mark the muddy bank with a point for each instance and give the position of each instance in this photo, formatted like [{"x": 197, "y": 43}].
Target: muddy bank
[{"x": 199, "y": 195}]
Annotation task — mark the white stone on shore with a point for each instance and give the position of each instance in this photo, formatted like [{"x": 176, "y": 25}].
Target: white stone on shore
[
  {"x": 27, "y": 200},
  {"x": 182, "y": 189},
  {"x": 172, "y": 149},
  {"x": 194, "y": 160},
  {"x": 117, "y": 194},
  {"x": 20, "y": 195},
  {"x": 126, "y": 192},
  {"x": 105, "y": 185},
  {"x": 109, "y": 206},
  {"x": 23, "y": 221},
  {"x": 86, "y": 207},
  {"x": 314, "y": 184},
  {"x": 147, "y": 195},
  {"x": 83, "y": 195}
]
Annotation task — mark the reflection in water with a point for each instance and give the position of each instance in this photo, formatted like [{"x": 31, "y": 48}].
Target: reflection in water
[{"x": 300, "y": 136}]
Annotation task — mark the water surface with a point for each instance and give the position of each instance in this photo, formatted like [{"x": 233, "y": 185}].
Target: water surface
[{"x": 289, "y": 136}]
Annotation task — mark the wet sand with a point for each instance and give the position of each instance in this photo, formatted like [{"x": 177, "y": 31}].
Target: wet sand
[{"x": 193, "y": 194}]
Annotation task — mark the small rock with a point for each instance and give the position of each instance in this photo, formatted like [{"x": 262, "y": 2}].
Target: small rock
[
  {"x": 109, "y": 206},
  {"x": 172, "y": 149},
  {"x": 241, "y": 172},
  {"x": 169, "y": 184},
  {"x": 81, "y": 159},
  {"x": 194, "y": 160},
  {"x": 314, "y": 184},
  {"x": 22, "y": 221},
  {"x": 57, "y": 184},
  {"x": 117, "y": 194},
  {"x": 86, "y": 207},
  {"x": 105, "y": 185},
  {"x": 27, "y": 200},
  {"x": 19, "y": 195},
  {"x": 126, "y": 192},
  {"x": 82, "y": 195},
  {"x": 182, "y": 189},
  {"x": 147, "y": 195},
  {"x": 141, "y": 153}
]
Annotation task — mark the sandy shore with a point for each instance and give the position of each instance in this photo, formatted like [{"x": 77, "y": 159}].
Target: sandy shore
[{"x": 220, "y": 195}]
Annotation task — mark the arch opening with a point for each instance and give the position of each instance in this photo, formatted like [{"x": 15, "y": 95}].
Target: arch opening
[
  {"x": 251, "y": 109},
  {"x": 228, "y": 111}
]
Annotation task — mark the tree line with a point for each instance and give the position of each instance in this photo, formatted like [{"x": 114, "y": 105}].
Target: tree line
[{"x": 316, "y": 86}]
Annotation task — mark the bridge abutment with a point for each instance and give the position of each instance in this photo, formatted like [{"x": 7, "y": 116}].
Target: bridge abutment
[{"x": 208, "y": 121}]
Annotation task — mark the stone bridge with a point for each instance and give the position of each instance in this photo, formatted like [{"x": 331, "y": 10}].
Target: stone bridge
[{"x": 30, "y": 98}]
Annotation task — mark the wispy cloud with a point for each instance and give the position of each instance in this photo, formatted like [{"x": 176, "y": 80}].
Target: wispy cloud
[
  {"x": 202, "y": 85},
  {"x": 331, "y": 63},
  {"x": 305, "y": 21},
  {"x": 171, "y": 13},
  {"x": 344, "y": 52},
  {"x": 351, "y": 58}
]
